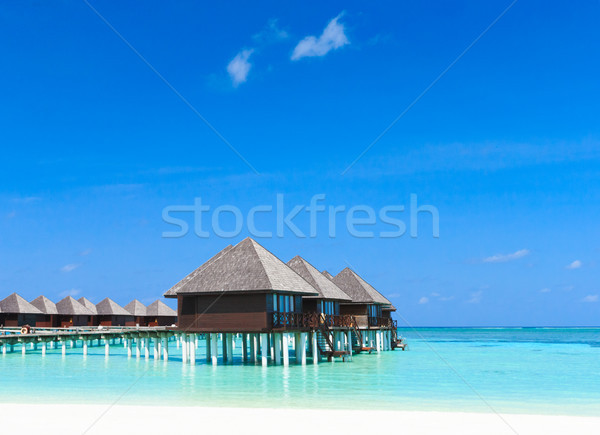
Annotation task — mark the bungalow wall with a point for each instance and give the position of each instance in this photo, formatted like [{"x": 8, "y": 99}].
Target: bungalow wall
[
  {"x": 114, "y": 320},
  {"x": 161, "y": 320},
  {"x": 66, "y": 321},
  {"x": 15, "y": 320},
  {"x": 359, "y": 311}
]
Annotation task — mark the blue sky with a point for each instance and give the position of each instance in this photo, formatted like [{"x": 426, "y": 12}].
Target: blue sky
[{"x": 506, "y": 145}]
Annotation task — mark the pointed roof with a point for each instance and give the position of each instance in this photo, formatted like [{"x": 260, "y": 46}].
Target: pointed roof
[
  {"x": 15, "y": 304},
  {"x": 159, "y": 309},
  {"x": 108, "y": 307},
  {"x": 136, "y": 308},
  {"x": 358, "y": 289},
  {"x": 326, "y": 288},
  {"x": 172, "y": 292},
  {"x": 246, "y": 267},
  {"x": 70, "y": 307},
  {"x": 89, "y": 305},
  {"x": 327, "y": 275},
  {"x": 45, "y": 305}
]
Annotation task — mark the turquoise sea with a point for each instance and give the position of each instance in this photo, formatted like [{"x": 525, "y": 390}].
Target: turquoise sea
[{"x": 523, "y": 370}]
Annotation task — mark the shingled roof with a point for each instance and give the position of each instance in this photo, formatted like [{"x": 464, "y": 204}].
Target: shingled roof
[
  {"x": 70, "y": 307},
  {"x": 136, "y": 308},
  {"x": 45, "y": 305},
  {"x": 172, "y": 292},
  {"x": 108, "y": 307},
  {"x": 15, "y": 304},
  {"x": 159, "y": 309},
  {"x": 326, "y": 288},
  {"x": 327, "y": 275},
  {"x": 358, "y": 289},
  {"x": 89, "y": 305},
  {"x": 246, "y": 267}
]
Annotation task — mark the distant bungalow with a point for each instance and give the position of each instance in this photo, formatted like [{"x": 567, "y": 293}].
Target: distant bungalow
[
  {"x": 93, "y": 320},
  {"x": 155, "y": 314},
  {"x": 73, "y": 313},
  {"x": 16, "y": 311},
  {"x": 112, "y": 314},
  {"x": 47, "y": 307}
]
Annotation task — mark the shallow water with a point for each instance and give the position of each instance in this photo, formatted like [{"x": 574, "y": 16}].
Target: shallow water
[{"x": 530, "y": 370}]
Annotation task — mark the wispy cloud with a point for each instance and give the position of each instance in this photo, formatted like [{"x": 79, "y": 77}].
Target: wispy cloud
[
  {"x": 475, "y": 297},
  {"x": 69, "y": 267},
  {"x": 271, "y": 33},
  {"x": 545, "y": 290},
  {"x": 503, "y": 258},
  {"x": 239, "y": 67},
  {"x": 590, "y": 298},
  {"x": 332, "y": 38},
  {"x": 73, "y": 292},
  {"x": 27, "y": 199},
  {"x": 424, "y": 300},
  {"x": 574, "y": 265},
  {"x": 85, "y": 252}
]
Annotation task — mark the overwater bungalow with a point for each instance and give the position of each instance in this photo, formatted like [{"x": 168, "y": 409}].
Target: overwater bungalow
[
  {"x": 112, "y": 314},
  {"x": 93, "y": 321},
  {"x": 46, "y": 306},
  {"x": 72, "y": 313},
  {"x": 243, "y": 288},
  {"x": 16, "y": 311},
  {"x": 138, "y": 311},
  {"x": 366, "y": 304},
  {"x": 330, "y": 295},
  {"x": 160, "y": 314}
]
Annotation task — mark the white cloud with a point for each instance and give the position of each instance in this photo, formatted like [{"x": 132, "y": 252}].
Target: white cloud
[
  {"x": 503, "y": 258},
  {"x": 545, "y": 290},
  {"x": 333, "y": 37},
  {"x": 590, "y": 298},
  {"x": 86, "y": 252},
  {"x": 475, "y": 297},
  {"x": 271, "y": 33},
  {"x": 69, "y": 267},
  {"x": 574, "y": 265},
  {"x": 423, "y": 300},
  {"x": 239, "y": 67},
  {"x": 73, "y": 292}
]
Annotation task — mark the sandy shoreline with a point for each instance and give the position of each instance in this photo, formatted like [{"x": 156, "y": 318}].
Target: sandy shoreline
[{"x": 102, "y": 419}]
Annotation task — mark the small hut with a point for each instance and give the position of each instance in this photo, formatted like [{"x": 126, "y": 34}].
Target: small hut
[
  {"x": 16, "y": 311},
  {"x": 90, "y": 306},
  {"x": 46, "y": 306},
  {"x": 138, "y": 311},
  {"x": 160, "y": 314},
  {"x": 72, "y": 313},
  {"x": 366, "y": 304},
  {"x": 112, "y": 314},
  {"x": 330, "y": 295}
]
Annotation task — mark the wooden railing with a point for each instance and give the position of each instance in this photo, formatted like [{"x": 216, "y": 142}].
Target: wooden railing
[
  {"x": 383, "y": 322},
  {"x": 311, "y": 320}
]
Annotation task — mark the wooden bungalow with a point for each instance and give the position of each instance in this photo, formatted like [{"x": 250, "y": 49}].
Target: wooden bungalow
[
  {"x": 366, "y": 304},
  {"x": 160, "y": 314},
  {"x": 72, "y": 313},
  {"x": 138, "y": 311},
  {"x": 243, "y": 288},
  {"x": 330, "y": 295},
  {"x": 93, "y": 321},
  {"x": 112, "y": 314},
  {"x": 46, "y": 306},
  {"x": 16, "y": 311}
]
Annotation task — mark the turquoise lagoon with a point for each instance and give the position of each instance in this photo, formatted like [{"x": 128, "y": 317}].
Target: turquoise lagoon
[{"x": 522, "y": 370}]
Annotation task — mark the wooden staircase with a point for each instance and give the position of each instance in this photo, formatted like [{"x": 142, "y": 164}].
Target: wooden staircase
[{"x": 325, "y": 343}]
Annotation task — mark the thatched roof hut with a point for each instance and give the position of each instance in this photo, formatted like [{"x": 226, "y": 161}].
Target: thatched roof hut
[
  {"x": 326, "y": 288},
  {"x": 358, "y": 289},
  {"x": 15, "y": 304},
  {"x": 89, "y": 305},
  {"x": 70, "y": 307},
  {"x": 108, "y": 307},
  {"x": 45, "y": 305},
  {"x": 136, "y": 308},
  {"x": 159, "y": 309},
  {"x": 246, "y": 267}
]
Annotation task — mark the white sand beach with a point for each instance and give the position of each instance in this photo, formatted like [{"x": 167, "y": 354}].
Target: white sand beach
[{"x": 104, "y": 419}]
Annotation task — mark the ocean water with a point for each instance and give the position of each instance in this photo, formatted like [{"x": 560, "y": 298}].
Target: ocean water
[{"x": 522, "y": 370}]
